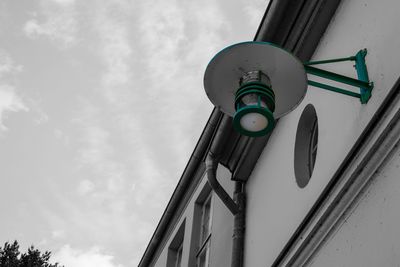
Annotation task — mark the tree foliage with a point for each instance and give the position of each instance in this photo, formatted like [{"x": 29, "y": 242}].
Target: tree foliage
[{"x": 10, "y": 256}]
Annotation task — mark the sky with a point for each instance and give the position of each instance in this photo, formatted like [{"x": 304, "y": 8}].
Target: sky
[{"x": 101, "y": 106}]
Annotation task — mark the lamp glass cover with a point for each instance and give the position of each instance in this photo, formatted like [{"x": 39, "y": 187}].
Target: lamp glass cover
[{"x": 253, "y": 122}]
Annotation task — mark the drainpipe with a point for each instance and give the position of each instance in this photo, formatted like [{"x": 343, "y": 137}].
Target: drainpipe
[
  {"x": 235, "y": 205},
  {"x": 239, "y": 225}
]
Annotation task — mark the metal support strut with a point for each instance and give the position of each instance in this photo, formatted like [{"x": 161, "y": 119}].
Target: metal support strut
[{"x": 362, "y": 82}]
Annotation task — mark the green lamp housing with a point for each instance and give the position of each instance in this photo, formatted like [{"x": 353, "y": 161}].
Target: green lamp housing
[{"x": 254, "y": 105}]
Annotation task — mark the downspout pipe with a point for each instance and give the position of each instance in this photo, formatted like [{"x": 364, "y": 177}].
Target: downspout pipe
[
  {"x": 211, "y": 169},
  {"x": 237, "y": 204},
  {"x": 239, "y": 225}
]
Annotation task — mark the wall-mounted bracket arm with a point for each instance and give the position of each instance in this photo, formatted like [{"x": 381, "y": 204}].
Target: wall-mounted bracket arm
[{"x": 362, "y": 82}]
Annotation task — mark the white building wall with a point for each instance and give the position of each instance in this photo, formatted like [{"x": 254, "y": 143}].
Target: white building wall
[
  {"x": 276, "y": 205},
  {"x": 370, "y": 234}
]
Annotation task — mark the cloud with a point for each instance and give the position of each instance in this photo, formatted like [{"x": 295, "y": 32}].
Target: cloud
[
  {"x": 115, "y": 50},
  {"x": 255, "y": 11},
  {"x": 57, "y": 21},
  {"x": 62, "y": 136},
  {"x": 112, "y": 27},
  {"x": 7, "y": 65},
  {"x": 98, "y": 153},
  {"x": 93, "y": 257},
  {"x": 176, "y": 41},
  {"x": 148, "y": 98},
  {"x": 36, "y": 108},
  {"x": 58, "y": 234},
  {"x": 97, "y": 149},
  {"x": 138, "y": 124},
  {"x": 10, "y": 101},
  {"x": 64, "y": 2},
  {"x": 85, "y": 187}
]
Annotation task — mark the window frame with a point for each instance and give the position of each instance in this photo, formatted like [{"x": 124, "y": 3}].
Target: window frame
[
  {"x": 313, "y": 147},
  {"x": 178, "y": 256},
  {"x": 306, "y": 146},
  {"x": 175, "y": 249},
  {"x": 204, "y": 242}
]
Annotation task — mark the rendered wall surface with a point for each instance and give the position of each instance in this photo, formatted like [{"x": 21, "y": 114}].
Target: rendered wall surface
[
  {"x": 276, "y": 205},
  {"x": 222, "y": 225},
  {"x": 370, "y": 234}
]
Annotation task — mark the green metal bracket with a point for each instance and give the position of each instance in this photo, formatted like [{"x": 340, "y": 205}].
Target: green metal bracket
[{"x": 362, "y": 82}]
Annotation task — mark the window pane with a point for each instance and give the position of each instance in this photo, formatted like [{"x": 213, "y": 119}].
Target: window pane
[
  {"x": 179, "y": 257},
  {"x": 206, "y": 220},
  {"x": 205, "y": 233},
  {"x": 313, "y": 146},
  {"x": 202, "y": 260}
]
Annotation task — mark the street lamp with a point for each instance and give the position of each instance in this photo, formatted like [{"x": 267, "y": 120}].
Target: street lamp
[{"x": 259, "y": 82}]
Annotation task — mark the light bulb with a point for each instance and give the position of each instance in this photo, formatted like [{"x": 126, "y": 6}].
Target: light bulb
[
  {"x": 252, "y": 100},
  {"x": 253, "y": 122}
]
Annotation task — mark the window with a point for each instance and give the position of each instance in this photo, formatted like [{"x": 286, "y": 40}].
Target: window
[
  {"x": 178, "y": 258},
  {"x": 203, "y": 253},
  {"x": 200, "y": 241},
  {"x": 313, "y": 146},
  {"x": 175, "y": 249},
  {"x": 305, "y": 151}
]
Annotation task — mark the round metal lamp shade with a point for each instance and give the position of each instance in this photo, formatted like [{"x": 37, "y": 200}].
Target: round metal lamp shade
[{"x": 285, "y": 71}]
